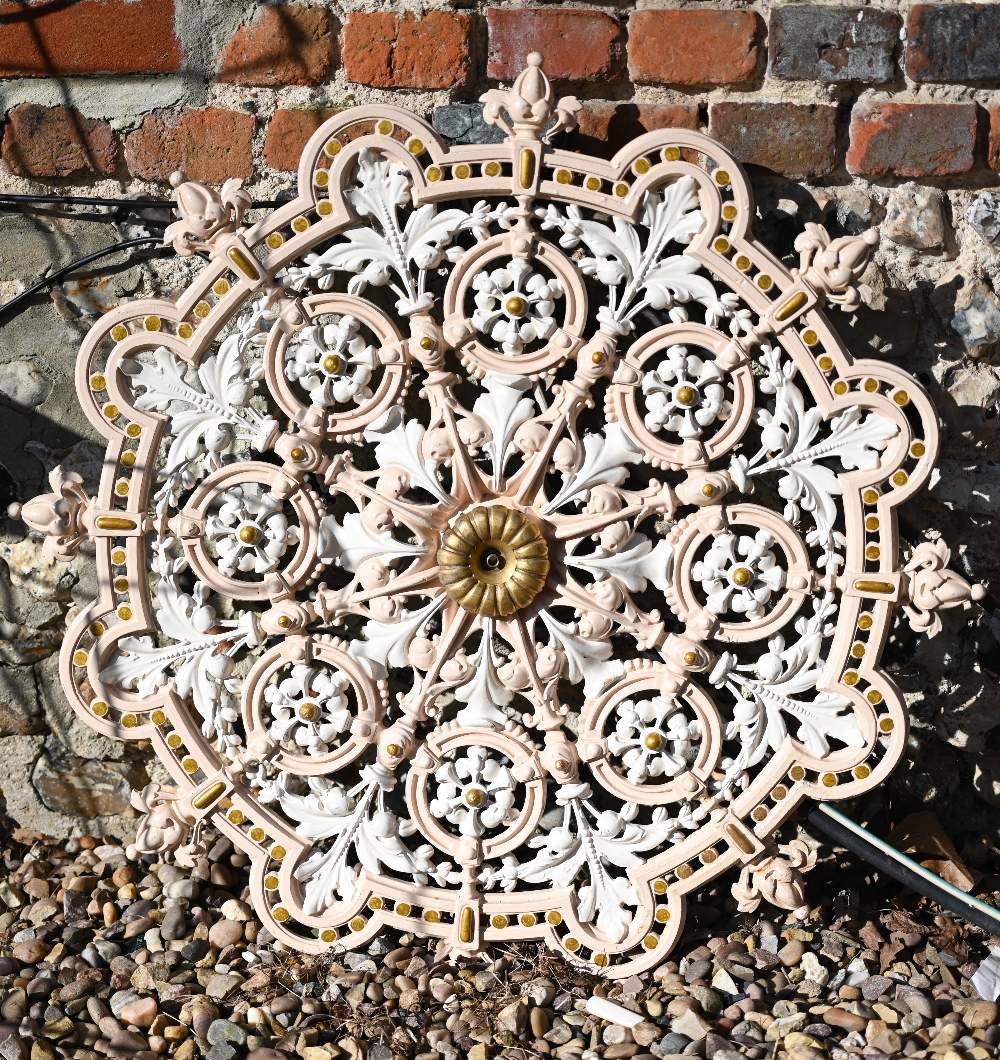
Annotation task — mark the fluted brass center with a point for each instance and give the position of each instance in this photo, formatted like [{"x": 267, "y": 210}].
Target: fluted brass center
[{"x": 493, "y": 561}]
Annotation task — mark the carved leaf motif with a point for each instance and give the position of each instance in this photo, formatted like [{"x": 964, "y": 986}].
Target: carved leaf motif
[
  {"x": 605, "y": 460},
  {"x": 351, "y": 543},
  {"x": 635, "y": 563},
  {"x": 504, "y": 407}
]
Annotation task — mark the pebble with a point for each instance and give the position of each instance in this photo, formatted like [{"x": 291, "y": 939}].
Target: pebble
[{"x": 174, "y": 924}]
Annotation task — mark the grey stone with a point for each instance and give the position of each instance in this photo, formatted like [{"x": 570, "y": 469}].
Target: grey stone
[
  {"x": 24, "y": 383},
  {"x": 915, "y": 217},
  {"x": 976, "y": 318},
  {"x": 984, "y": 216},
  {"x": 463, "y": 123},
  {"x": 225, "y": 1032},
  {"x": 175, "y": 924},
  {"x": 834, "y": 44}
]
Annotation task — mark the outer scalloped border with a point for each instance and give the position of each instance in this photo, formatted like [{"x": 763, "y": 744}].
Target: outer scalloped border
[{"x": 836, "y": 381}]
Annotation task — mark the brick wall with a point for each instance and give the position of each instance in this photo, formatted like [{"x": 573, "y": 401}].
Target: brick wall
[{"x": 886, "y": 114}]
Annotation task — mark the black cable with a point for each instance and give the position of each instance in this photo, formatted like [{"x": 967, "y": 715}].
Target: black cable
[
  {"x": 90, "y": 200},
  {"x": 855, "y": 838}
]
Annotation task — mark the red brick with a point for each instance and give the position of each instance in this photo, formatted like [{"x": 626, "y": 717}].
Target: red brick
[
  {"x": 209, "y": 145},
  {"x": 675, "y": 47},
  {"x": 401, "y": 51},
  {"x": 88, "y": 37},
  {"x": 57, "y": 142},
  {"x": 577, "y": 45},
  {"x": 953, "y": 42},
  {"x": 605, "y": 126},
  {"x": 288, "y": 45},
  {"x": 288, "y": 133},
  {"x": 911, "y": 139},
  {"x": 795, "y": 139}
]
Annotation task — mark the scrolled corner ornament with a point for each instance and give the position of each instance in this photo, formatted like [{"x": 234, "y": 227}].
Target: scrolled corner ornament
[{"x": 497, "y": 542}]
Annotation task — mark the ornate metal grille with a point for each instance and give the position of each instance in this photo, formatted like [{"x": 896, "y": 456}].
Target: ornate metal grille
[{"x": 496, "y": 542}]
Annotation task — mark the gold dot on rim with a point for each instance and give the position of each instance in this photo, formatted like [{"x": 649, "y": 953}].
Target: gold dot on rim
[
  {"x": 809, "y": 337},
  {"x": 779, "y": 792},
  {"x": 621, "y": 190},
  {"x": 278, "y": 852},
  {"x": 99, "y": 707},
  {"x": 128, "y": 458},
  {"x": 865, "y": 621},
  {"x": 280, "y": 913},
  {"x": 110, "y": 411},
  {"x": 328, "y": 935},
  {"x": 119, "y": 332},
  {"x": 300, "y": 224},
  {"x": 662, "y": 914},
  {"x": 729, "y": 212},
  {"x": 325, "y": 208},
  {"x": 901, "y": 397},
  {"x": 671, "y": 154},
  {"x": 221, "y": 286},
  {"x": 384, "y": 127},
  {"x": 886, "y": 725},
  {"x": 593, "y": 183},
  {"x": 650, "y": 942},
  {"x": 528, "y": 919},
  {"x": 553, "y": 916},
  {"x": 759, "y": 813},
  {"x": 152, "y": 323},
  {"x": 125, "y": 613},
  {"x": 258, "y": 835},
  {"x": 274, "y": 240},
  {"x": 858, "y": 650},
  {"x": 433, "y": 173},
  {"x": 721, "y": 246},
  {"x": 708, "y": 856},
  {"x": 202, "y": 309},
  {"x": 133, "y": 430},
  {"x": 237, "y": 816},
  {"x": 600, "y": 959},
  {"x": 640, "y": 166},
  {"x": 840, "y": 387},
  {"x": 683, "y": 871},
  {"x": 872, "y": 523},
  {"x": 870, "y": 496},
  {"x": 825, "y": 363},
  {"x": 721, "y": 177},
  {"x": 120, "y": 585},
  {"x": 563, "y": 176},
  {"x": 571, "y": 943},
  {"x": 900, "y": 478},
  {"x": 375, "y": 902},
  {"x": 797, "y": 773},
  {"x": 764, "y": 282},
  {"x": 158, "y": 717},
  {"x": 462, "y": 171},
  {"x": 829, "y": 780},
  {"x": 97, "y": 629},
  {"x": 743, "y": 263},
  {"x": 321, "y": 178},
  {"x": 80, "y": 658},
  {"x": 130, "y": 721},
  {"x": 403, "y": 908},
  {"x": 185, "y": 331},
  {"x": 499, "y": 921},
  {"x": 174, "y": 741},
  {"x": 332, "y": 147},
  {"x": 871, "y": 385},
  {"x": 121, "y": 488},
  {"x": 98, "y": 382},
  {"x": 189, "y": 765},
  {"x": 862, "y": 772},
  {"x": 432, "y": 916},
  {"x": 491, "y": 169},
  {"x": 918, "y": 449},
  {"x": 851, "y": 677},
  {"x": 873, "y": 552},
  {"x": 659, "y": 887}
]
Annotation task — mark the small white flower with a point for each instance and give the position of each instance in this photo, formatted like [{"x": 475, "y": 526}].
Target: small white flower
[
  {"x": 739, "y": 574},
  {"x": 332, "y": 362},
  {"x": 685, "y": 394},
  {"x": 309, "y": 708},
  {"x": 250, "y": 531},
  {"x": 654, "y": 738},
  {"x": 515, "y": 306},
  {"x": 475, "y": 792}
]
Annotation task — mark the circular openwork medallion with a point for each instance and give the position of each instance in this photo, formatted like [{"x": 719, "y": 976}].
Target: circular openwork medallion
[{"x": 497, "y": 542}]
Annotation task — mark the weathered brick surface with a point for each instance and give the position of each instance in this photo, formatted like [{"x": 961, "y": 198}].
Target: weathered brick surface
[
  {"x": 606, "y": 126},
  {"x": 288, "y": 132},
  {"x": 577, "y": 45},
  {"x": 286, "y": 45},
  {"x": 993, "y": 141},
  {"x": 833, "y": 44},
  {"x": 209, "y": 145},
  {"x": 953, "y": 42},
  {"x": 88, "y": 37},
  {"x": 692, "y": 47},
  {"x": 403, "y": 51},
  {"x": 57, "y": 142},
  {"x": 794, "y": 139},
  {"x": 911, "y": 139}
]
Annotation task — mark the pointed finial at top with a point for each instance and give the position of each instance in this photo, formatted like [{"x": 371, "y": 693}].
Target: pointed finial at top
[{"x": 526, "y": 109}]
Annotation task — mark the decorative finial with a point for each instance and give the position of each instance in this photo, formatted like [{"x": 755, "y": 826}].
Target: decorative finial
[
  {"x": 931, "y": 587},
  {"x": 833, "y": 267},
  {"x": 58, "y": 515},
  {"x": 205, "y": 214},
  {"x": 526, "y": 110}
]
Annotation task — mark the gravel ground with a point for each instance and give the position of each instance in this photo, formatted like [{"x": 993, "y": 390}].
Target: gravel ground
[{"x": 103, "y": 957}]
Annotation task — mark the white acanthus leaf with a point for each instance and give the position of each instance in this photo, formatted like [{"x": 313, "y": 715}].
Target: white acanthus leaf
[
  {"x": 386, "y": 643},
  {"x": 586, "y": 660},
  {"x": 350, "y": 543},
  {"x": 397, "y": 444},
  {"x": 635, "y": 563},
  {"x": 484, "y": 694},
  {"x": 503, "y": 408},
  {"x": 605, "y": 460}
]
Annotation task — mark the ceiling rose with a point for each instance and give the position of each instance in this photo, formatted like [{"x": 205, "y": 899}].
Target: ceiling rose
[{"x": 497, "y": 542}]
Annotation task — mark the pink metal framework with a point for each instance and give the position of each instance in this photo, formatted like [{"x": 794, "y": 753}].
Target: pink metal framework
[{"x": 495, "y": 541}]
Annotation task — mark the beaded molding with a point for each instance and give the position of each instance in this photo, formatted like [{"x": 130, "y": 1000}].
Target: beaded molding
[{"x": 496, "y": 542}]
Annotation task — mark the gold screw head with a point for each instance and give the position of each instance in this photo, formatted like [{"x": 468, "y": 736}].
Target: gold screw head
[
  {"x": 653, "y": 741},
  {"x": 394, "y": 750},
  {"x": 284, "y": 621},
  {"x": 685, "y": 395},
  {"x": 427, "y": 343},
  {"x": 308, "y": 711},
  {"x": 708, "y": 490},
  {"x": 332, "y": 363},
  {"x": 297, "y": 453},
  {"x": 475, "y": 797},
  {"x": 249, "y": 535},
  {"x": 742, "y": 576},
  {"x": 598, "y": 357},
  {"x": 690, "y": 658},
  {"x": 515, "y": 305}
]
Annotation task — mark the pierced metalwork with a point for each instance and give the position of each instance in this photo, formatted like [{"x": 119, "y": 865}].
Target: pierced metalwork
[{"x": 497, "y": 542}]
